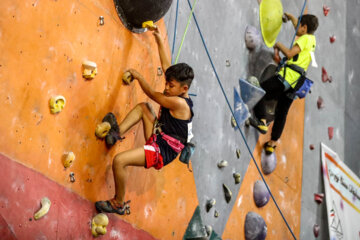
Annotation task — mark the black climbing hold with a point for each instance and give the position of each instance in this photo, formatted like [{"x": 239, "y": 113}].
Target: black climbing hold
[
  {"x": 255, "y": 227},
  {"x": 227, "y": 193},
  {"x": 134, "y": 12},
  {"x": 210, "y": 203},
  {"x": 113, "y": 134},
  {"x": 261, "y": 194}
]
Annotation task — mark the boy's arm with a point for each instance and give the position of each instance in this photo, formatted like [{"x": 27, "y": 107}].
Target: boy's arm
[
  {"x": 289, "y": 53},
  {"x": 293, "y": 19},
  {"x": 165, "y": 62},
  {"x": 171, "y": 103}
]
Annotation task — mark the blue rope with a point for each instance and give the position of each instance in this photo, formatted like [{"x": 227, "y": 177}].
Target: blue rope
[
  {"x": 232, "y": 112},
  {"x": 175, "y": 28},
  {"x": 298, "y": 23}
]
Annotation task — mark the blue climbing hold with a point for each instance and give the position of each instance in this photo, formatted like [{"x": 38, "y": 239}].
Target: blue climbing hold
[
  {"x": 255, "y": 227},
  {"x": 241, "y": 111},
  {"x": 250, "y": 94},
  {"x": 261, "y": 194}
]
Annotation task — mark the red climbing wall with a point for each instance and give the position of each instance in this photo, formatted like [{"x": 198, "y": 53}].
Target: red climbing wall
[{"x": 43, "y": 45}]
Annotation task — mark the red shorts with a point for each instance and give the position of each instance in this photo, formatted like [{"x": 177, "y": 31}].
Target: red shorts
[{"x": 153, "y": 157}]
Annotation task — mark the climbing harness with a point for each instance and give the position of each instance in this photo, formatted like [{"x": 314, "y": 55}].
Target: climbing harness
[
  {"x": 303, "y": 84},
  {"x": 232, "y": 112}
]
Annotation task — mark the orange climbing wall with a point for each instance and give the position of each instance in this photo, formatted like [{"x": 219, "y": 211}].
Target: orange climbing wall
[
  {"x": 43, "y": 44},
  {"x": 284, "y": 182}
]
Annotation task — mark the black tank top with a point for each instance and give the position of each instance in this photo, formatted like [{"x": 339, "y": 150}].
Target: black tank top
[{"x": 177, "y": 128}]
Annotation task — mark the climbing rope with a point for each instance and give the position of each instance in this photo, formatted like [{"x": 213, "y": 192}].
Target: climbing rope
[
  {"x": 175, "y": 29},
  {"x": 232, "y": 112},
  {"x": 298, "y": 23},
  {"x": 185, "y": 32}
]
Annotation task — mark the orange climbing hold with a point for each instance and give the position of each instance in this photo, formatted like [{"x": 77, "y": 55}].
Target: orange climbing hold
[{"x": 330, "y": 132}]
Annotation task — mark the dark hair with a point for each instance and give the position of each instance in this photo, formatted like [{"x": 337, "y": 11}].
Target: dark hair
[
  {"x": 311, "y": 22},
  {"x": 180, "y": 72}
]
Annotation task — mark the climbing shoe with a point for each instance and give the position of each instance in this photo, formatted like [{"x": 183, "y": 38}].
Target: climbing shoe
[
  {"x": 112, "y": 206},
  {"x": 113, "y": 135},
  {"x": 269, "y": 149},
  {"x": 259, "y": 125}
]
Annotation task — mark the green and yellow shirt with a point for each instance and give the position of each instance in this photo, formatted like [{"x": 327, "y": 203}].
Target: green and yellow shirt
[{"x": 307, "y": 44}]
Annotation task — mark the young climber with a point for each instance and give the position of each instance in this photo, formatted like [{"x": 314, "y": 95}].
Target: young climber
[
  {"x": 283, "y": 84},
  {"x": 165, "y": 137}
]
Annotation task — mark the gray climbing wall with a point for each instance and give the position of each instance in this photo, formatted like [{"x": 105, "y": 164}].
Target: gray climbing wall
[
  {"x": 216, "y": 139},
  {"x": 223, "y": 24},
  {"x": 352, "y": 110}
]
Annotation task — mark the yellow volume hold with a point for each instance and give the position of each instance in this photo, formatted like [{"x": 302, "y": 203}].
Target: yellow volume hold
[{"x": 45, "y": 207}]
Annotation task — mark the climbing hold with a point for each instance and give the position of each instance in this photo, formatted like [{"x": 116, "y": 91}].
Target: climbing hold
[
  {"x": 241, "y": 111},
  {"x": 210, "y": 203},
  {"x": 320, "y": 103},
  {"x": 255, "y": 227},
  {"x": 216, "y": 214},
  {"x": 261, "y": 194},
  {"x": 332, "y": 38},
  {"x": 227, "y": 193},
  {"x": 318, "y": 197},
  {"x": 98, "y": 224},
  {"x": 316, "y": 230},
  {"x": 233, "y": 122},
  {"x": 45, "y": 206},
  {"x": 159, "y": 71},
  {"x": 285, "y": 18},
  {"x": 268, "y": 163},
  {"x": 127, "y": 78},
  {"x": 237, "y": 177},
  {"x": 57, "y": 104},
  {"x": 325, "y": 76},
  {"x": 68, "y": 159},
  {"x": 134, "y": 12},
  {"x": 326, "y": 10},
  {"x": 238, "y": 153},
  {"x": 222, "y": 164},
  {"x": 311, "y": 147},
  {"x": 271, "y": 13},
  {"x": 208, "y": 230},
  {"x": 89, "y": 69},
  {"x": 330, "y": 132},
  {"x": 72, "y": 177},
  {"x": 149, "y": 25},
  {"x": 102, "y": 129},
  {"x": 286, "y": 180},
  {"x": 252, "y": 38},
  {"x": 250, "y": 91},
  {"x": 228, "y": 63},
  {"x": 101, "y": 20},
  {"x": 113, "y": 135}
]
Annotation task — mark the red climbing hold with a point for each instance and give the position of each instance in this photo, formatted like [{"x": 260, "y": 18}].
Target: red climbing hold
[
  {"x": 316, "y": 230},
  {"x": 320, "y": 103},
  {"x": 318, "y": 197},
  {"x": 311, "y": 147},
  {"x": 330, "y": 132},
  {"x": 326, "y": 10},
  {"x": 332, "y": 39},
  {"x": 325, "y": 76}
]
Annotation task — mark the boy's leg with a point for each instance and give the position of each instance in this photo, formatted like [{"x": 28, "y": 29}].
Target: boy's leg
[
  {"x": 133, "y": 157},
  {"x": 281, "y": 112},
  {"x": 142, "y": 111}
]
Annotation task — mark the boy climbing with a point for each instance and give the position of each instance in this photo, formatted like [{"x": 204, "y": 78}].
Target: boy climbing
[
  {"x": 285, "y": 82},
  {"x": 165, "y": 137}
]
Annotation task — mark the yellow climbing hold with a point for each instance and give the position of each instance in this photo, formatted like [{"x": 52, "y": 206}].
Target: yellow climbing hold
[
  {"x": 45, "y": 207},
  {"x": 57, "y": 104},
  {"x": 68, "y": 160},
  {"x": 89, "y": 69},
  {"x": 271, "y": 12},
  {"x": 102, "y": 129},
  {"x": 98, "y": 224},
  {"x": 149, "y": 25},
  {"x": 127, "y": 78}
]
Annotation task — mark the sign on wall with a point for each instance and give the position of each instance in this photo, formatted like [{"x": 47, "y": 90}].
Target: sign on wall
[{"x": 342, "y": 191}]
